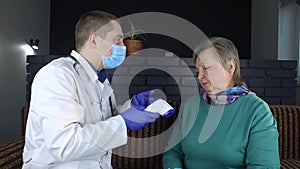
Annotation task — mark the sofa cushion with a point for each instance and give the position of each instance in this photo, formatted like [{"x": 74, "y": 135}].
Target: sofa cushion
[{"x": 288, "y": 123}]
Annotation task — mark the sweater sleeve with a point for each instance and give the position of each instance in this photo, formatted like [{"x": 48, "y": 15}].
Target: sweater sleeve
[
  {"x": 262, "y": 150},
  {"x": 173, "y": 158}
]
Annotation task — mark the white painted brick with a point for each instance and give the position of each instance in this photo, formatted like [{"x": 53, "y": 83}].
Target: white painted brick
[{"x": 163, "y": 61}]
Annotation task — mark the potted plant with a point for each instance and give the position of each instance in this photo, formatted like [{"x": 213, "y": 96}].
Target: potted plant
[{"x": 134, "y": 40}]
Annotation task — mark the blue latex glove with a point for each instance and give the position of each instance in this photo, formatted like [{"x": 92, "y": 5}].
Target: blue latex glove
[
  {"x": 143, "y": 99},
  {"x": 137, "y": 119}
]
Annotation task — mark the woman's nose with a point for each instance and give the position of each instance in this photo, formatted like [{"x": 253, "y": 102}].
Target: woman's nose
[{"x": 201, "y": 74}]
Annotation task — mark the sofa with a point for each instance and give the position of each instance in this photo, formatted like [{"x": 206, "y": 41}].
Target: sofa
[{"x": 288, "y": 121}]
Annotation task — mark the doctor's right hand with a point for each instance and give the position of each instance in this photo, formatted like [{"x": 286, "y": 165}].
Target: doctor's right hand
[{"x": 137, "y": 119}]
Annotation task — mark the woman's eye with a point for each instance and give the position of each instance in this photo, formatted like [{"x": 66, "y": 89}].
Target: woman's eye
[{"x": 206, "y": 67}]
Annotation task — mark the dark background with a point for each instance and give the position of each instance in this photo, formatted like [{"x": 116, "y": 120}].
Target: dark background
[{"x": 231, "y": 19}]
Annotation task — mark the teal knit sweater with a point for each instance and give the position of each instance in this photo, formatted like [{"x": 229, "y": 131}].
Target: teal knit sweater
[{"x": 242, "y": 134}]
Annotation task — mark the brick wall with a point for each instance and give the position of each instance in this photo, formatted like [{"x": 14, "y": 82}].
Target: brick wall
[{"x": 272, "y": 80}]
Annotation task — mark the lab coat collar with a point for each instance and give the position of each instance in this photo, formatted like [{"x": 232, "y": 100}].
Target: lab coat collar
[{"x": 86, "y": 65}]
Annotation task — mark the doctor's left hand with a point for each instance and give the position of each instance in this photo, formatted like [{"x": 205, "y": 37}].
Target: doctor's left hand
[{"x": 143, "y": 99}]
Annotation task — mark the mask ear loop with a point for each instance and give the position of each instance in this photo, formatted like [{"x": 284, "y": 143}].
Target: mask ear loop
[
  {"x": 111, "y": 45},
  {"x": 100, "y": 53}
]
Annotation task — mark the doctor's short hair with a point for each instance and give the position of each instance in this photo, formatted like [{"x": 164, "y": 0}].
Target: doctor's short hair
[
  {"x": 226, "y": 51},
  {"x": 97, "y": 22}
]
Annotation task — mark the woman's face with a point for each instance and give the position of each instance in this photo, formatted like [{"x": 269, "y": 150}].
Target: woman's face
[{"x": 212, "y": 76}]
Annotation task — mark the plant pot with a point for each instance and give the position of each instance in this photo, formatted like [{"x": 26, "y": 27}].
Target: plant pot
[{"x": 133, "y": 47}]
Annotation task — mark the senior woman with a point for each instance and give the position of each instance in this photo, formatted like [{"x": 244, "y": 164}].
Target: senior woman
[{"x": 227, "y": 126}]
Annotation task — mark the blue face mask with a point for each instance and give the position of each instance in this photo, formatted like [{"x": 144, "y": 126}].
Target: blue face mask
[{"x": 116, "y": 58}]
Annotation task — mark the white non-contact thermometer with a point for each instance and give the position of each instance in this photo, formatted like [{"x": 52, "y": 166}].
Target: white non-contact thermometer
[{"x": 162, "y": 107}]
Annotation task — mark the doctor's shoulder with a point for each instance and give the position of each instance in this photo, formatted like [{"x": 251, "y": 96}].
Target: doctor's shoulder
[{"x": 58, "y": 68}]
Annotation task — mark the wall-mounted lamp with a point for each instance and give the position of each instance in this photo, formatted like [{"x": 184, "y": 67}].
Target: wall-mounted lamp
[{"x": 34, "y": 44}]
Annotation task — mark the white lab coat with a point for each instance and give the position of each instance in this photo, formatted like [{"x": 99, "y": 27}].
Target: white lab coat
[{"x": 69, "y": 123}]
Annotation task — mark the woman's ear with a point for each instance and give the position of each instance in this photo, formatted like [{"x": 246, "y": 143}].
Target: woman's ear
[{"x": 232, "y": 66}]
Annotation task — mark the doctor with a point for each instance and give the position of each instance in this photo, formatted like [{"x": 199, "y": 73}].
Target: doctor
[{"x": 73, "y": 121}]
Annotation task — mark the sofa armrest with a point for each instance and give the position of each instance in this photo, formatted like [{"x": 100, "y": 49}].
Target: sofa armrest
[
  {"x": 11, "y": 154},
  {"x": 23, "y": 118}
]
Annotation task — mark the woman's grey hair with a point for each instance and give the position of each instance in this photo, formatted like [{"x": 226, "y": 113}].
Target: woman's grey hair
[{"x": 226, "y": 51}]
